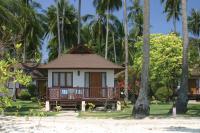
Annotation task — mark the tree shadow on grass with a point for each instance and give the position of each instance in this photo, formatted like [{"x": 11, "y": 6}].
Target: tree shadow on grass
[{"x": 182, "y": 129}]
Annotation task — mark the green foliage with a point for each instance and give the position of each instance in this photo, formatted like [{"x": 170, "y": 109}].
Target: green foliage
[
  {"x": 165, "y": 60},
  {"x": 163, "y": 94},
  {"x": 32, "y": 90},
  {"x": 91, "y": 106},
  {"x": 34, "y": 99},
  {"x": 58, "y": 108},
  {"x": 24, "y": 95},
  {"x": 7, "y": 74}
]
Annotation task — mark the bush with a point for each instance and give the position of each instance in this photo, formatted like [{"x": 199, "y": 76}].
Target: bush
[
  {"x": 32, "y": 90},
  {"x": 34, "y": 99},
  {"x": 163, "y": 94},
  {"x": 24, "y": 95}
]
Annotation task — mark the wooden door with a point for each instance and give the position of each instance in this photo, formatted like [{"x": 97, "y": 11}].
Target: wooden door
[
  {"x": 95, "y": 84},
  {"x": 42, "y": 88}
]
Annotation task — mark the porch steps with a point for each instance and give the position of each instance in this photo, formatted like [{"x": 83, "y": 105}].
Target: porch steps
[{"x": 68, "y": 105}]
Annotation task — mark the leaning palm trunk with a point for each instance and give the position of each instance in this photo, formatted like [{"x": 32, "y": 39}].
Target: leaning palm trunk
[
  {"x": 79, "y": 21},
  {"x": 126, "y": 54},
  {"x": 181, "y": 103},
  {"x": 141, "y": 108},
  {"x": 58, "y": 28}
]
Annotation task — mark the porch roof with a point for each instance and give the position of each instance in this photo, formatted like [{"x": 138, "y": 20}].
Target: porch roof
[{"x": 80, "y": 61}]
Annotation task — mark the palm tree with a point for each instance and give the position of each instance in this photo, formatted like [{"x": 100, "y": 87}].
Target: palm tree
[
  {"x": 182, "y": 99},
  {"x": 173, "y": 10},
  {"x": 194, "y": 26},
  {"x": 135, "y": 17},
  {"x": 107, "y": 5},
  {"x": 69, "y": 28},
  {"x": 79, "y": 21},
  {"x": 141, "y": 108},
  {"x": 126, "y": 52},
  {"x": 58, "y": 28}
]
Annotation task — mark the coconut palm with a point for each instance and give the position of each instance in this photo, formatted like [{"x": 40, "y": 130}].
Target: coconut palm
[
  {"x": 68, "y": 28},
  {"x": 126, "y": 52},
  {"x": 109, "y": 6},
  {"x": 194, "y": 26},
  {"x": 173, "y": 10},
  {"x": 79, "y": 21},
  {"x": 141, "y": 108},
  {"x": 182, "y": 99},
  {"x": 135, "y": 17}
]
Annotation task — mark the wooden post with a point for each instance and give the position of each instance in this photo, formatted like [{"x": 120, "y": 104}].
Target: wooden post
[
  {"x": 47, "y": 106},
  {"x": 118, "y": 106},
  {"x": 83, "y": 106}
]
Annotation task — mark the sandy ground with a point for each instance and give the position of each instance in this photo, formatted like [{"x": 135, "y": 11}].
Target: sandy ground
[{"x": 68, "y": 122}]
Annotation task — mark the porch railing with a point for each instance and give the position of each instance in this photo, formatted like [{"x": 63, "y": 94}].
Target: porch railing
[{"x": 61, "y": 93}]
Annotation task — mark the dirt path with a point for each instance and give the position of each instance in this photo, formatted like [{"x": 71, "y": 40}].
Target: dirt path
[{"x": 69, "y": 123}]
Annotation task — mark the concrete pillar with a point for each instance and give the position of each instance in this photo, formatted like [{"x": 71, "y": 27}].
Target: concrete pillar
[
  {"x": 47, "y": 106},
  {"x": 118, "y": 106},
  {"x": 83, "y": 106},
  {"x": 174, "y": 111}
]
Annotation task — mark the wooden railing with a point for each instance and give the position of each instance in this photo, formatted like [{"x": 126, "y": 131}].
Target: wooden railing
[{"x": 61, "y": 93}]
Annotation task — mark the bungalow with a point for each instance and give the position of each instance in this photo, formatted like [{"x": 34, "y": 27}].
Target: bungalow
[{"x": 80, "y": 77}]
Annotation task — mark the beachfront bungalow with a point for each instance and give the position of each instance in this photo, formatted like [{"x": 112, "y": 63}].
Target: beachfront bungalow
[{"x": 80, "y": 77}]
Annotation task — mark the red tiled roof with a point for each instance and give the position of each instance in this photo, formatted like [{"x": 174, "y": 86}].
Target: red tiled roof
[{"x": 80, "y": 61}]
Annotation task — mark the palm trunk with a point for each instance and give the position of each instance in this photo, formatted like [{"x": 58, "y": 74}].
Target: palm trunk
[
  {"x": 126, "y": 53},
  {"x": 114, "y": 47},
  {"x": 174, "y": 24},
  {"x": 107, "y": 31},
  {"x": 79, "y": 21},
  {"x": 62, "y": 29},
  {"x": 58, "y": 28},
  {"x": 181, "y": 103},
  {"x": 141, "y": 108}
]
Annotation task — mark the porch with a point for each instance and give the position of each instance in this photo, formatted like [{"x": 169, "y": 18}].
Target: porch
[{"x": 83, "y": 94}]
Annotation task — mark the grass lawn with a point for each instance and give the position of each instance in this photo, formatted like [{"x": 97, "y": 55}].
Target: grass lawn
[
  {"x": 156, "y": 110},
  {"x": 27, "y": 108}
]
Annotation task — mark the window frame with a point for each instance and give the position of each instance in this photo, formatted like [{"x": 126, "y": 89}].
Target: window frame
[
  {"x": 65, "y": 76},
  {"x": 105, "y": 79}
]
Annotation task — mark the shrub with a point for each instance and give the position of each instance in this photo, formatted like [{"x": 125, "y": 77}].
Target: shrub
[
  {"x": 32, "y": 90},
  {"x": 24, "y": 95},
  {"x": 163, "y": 94},
  {"x": 91, "y": 106},
  {"x": 33, "y": 99}
]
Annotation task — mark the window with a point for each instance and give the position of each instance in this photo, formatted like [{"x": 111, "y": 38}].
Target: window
[
  {"x": 103, "y": 77},
  {"x": 69, "y": 79},
  {"x": 55, "y": 79},
  {"x": 63, "y": 79},
  {"x": 87, "y": 79}
]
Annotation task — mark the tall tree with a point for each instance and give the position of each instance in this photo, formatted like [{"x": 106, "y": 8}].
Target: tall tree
[
  {"x": 58, "y": 28},
  {"x": 79, "y": 21},
  {"x": 173, "y": 10},
  {"x": 181, "y": 103},
  {"x": 141, "y": 108},
  {"x": 126, "y": 51},
  {"x": 194, "y": 26},
  {"x": 69, "y": 27},
  {"x": 107, "y": 6},
  {"x": 135, "y": 17}
]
